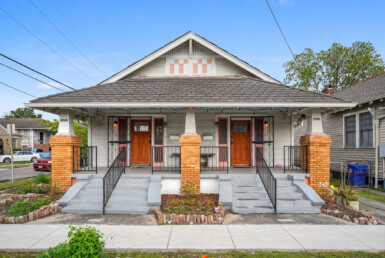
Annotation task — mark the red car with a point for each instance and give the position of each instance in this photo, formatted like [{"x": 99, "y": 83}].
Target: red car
[{"x": 43, "y": 163}]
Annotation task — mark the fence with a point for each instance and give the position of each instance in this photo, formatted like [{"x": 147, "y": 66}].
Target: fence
[
  {"x": 165, "y": 159},
  {"x": 85, "y": 159},
  {"x": 214, "y": 158}
]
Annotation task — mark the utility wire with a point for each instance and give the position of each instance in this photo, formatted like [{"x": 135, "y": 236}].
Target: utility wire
[
  {"x": 81, "y": 34},
  {"x": 13, "y": 60},
  {"x": 65, "y": 37},
  {"x": 279, "y": 27},
  {"x": 9, "y": 86},
  {"x": 30, "y": 76},
  {"x": 45, "y": 44}
]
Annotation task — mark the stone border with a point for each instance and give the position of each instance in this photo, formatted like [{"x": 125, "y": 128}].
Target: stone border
[
  {"x": 166, "y": 218},
  {"x": 42, "y": 212},
  {"x": 364, "y": 220}
]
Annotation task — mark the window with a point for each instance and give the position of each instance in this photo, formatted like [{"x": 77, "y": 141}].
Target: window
[
  {"x": 240, "y": 128},
  {"x": 202, "y": 66},
  {"x": 178, "y": 66},
  {"x": 41, "y": 138},
  {"x": 350, "y": 131},
  {"x": 222, "y": 123},
  {"x": 141, "y": 127},
  {"x": 14, "y": 143},
  {"x": 366, "y": 130},
  {"x": 159, "y": 131}
]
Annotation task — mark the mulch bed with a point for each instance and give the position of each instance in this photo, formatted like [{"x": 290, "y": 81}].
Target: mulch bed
[
  {"x": 207, "y": 202},
  {"x": 331, "y": 207}
]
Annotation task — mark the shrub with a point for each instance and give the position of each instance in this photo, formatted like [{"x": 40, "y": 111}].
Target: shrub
[
  {"x": 33, "y": 188},
  {"x": 23, "y": 207},
  {"x": 81, "y": 242},
  {"x": 42, "y": 179}
]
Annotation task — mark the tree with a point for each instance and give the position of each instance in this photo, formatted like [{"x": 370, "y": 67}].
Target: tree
[
  {"x": 338, "y": 66},
  {"x": 80, "y": 130},
  {"x": 23, "y": 113}
]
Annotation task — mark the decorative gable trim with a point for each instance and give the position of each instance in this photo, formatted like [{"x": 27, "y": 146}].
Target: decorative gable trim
[{"x": 177, "y": 42}]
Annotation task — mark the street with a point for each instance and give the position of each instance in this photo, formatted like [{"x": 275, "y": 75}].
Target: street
[{"x": 19, "y": 173}]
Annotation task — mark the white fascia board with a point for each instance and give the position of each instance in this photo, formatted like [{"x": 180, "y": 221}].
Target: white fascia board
[
  {"x": 185, "y": 104},
  {"x": 180, "y": 41}
]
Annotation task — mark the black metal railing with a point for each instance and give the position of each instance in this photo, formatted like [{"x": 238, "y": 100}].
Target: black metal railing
[
  {"x": 268, "y": 180},
  {"x": 295, "y": 158},
  {"x": 113, "y": 175},
  {"x": 85, "y": 158},
  {"x": 165, "y": 159},
  {"x": 214, "y": 158}
]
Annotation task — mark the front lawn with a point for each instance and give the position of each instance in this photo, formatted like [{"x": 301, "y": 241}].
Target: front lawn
[
  {"x": 16, "y": 183},
  {"x": 370, "y": 195},
  {"x": 16, "y": 163}
]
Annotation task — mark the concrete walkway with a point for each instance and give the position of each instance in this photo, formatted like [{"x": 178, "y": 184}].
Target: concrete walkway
[{"x": 204, "y": 237}]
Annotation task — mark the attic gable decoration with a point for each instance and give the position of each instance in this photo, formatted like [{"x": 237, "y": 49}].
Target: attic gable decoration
[{"x": 186, "y": 64}]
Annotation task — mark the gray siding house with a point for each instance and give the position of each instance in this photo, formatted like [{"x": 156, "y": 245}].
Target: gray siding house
[{"x": 357, "y": 133}]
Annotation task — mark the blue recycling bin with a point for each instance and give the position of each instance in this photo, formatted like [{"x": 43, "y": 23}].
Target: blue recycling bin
[{"x": 357, "y": 174}]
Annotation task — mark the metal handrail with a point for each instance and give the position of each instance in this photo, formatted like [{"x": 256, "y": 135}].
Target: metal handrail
[
  {"x": 267, "y": 178},
  {"x": 113, "y": 175}
]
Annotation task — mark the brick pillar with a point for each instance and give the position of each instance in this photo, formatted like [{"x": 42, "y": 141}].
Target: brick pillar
[
  {"x": 62, "y": 159},
  {"x": 318, "y": 161},
  {"x": 190, "y": 162}
]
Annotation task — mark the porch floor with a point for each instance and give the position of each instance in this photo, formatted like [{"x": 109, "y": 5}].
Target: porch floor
[{"x": 232, "y": 170}]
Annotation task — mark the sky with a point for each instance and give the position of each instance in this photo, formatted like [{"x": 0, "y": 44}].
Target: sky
[{"x": 122, "y": 32}]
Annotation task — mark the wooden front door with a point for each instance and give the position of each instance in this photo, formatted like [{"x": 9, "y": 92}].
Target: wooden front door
[
  {"x": 240, "y": 142},
  {"x": 141, "y": 142}
]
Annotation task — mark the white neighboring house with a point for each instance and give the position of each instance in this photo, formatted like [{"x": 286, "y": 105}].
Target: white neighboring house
[{"x": 33, "y": 134}]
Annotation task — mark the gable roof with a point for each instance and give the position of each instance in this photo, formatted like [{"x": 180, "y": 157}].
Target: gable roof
[
  {"x": 364, "y": 91},
  {"x": 190, "y": 91},
  {"x": 177, "y": 42},
  {"x": 22, "y": 123}
]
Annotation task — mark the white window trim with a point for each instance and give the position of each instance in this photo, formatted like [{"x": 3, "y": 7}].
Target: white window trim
[{"x": 357, "y": 115}]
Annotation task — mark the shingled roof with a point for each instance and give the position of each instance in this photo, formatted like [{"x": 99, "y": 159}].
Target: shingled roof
[
  {"x": 22, "y": 123},
  {"x": 364, "y": 91},
  {"x": 190, "y": 89}
]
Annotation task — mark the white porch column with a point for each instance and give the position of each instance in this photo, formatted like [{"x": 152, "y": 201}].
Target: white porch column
[
  {"x": 314, "y": 122},
  {"x": 66, "y": 124},
  {"x": 190, "y": 127}
]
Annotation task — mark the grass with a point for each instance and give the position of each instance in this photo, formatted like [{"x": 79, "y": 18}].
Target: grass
[
  {"x": 233, "y": 254},
  {"x": 370, "y": 195},
  {"x": 18, "y": 182},
  {"x": 16, "y": 163}
]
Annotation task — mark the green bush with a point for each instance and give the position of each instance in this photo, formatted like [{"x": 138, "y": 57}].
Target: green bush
[
  {"x": 23, "y": 207},
  {"x": 42, "y": 179},
  {"x": 33, "y": 188},
  {"x": 82, "y": 242}
]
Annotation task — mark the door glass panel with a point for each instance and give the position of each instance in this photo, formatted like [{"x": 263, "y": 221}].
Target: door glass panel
[
  {"x": 258, "y": 130},
  {"x": 159, "y": 131},
  {"x": 240, "y": 128},
  {"x": 141, "y": 127}
]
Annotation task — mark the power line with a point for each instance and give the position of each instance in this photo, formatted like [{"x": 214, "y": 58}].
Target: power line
[
  {"x": 13, "y": 60},
  {"x": 45, "y": 44},
  {"x": 9, "y": 86},
  {"x": 279, "y": 27},
  {"x": 65, "y": 37},
  {"x": 30, "y": 76},
  {"x": 81, "y": 34}
]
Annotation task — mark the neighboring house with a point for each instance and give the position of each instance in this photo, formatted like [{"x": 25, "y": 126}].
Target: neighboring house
[
  {"x": 5, "y": 141},
  {"x": 354, "y": 130},
  {"x": 33, "y": 134},
  {"x": 244, "y": 116}
]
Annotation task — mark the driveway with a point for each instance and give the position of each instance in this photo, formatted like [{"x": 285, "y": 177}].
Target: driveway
[{"x": 19, "y": 173}]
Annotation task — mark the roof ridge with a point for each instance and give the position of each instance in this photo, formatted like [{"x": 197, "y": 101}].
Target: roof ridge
[
  {"x": 299, "y": 89},
  {"x": 359, "y": 82}
]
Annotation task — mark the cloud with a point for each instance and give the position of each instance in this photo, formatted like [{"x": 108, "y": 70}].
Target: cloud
[{"x": 285, "y": 2}]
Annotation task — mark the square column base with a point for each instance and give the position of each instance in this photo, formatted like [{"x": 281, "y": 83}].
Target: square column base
[{"x": 190, "y": 164}]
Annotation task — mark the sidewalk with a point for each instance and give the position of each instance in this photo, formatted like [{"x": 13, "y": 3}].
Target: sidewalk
[{"x": 204, "y": 237}]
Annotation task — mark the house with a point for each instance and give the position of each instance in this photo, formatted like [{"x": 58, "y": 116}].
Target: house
[
  {"x": 5, "y": 141},
  {"x": 358, "y": 132},
  {"x": 190, "y": 110},
  {"x": 33, "y": 134}
]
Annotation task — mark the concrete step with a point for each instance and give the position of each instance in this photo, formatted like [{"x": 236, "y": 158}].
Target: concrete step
[
  {"x": 252, "y": 203},
  {"x": 83, "y": 209},
  {"x": 127, "y": 209},
  {"x": 248, "y": 189},
  {"x": 309, "y": 210},
  {"x": 249, "y": 196},
  {"x": 246, "y": 183},
  {"x": 289, "y": 196},
  {"x": 252, "y": 210},
  {"x": 293, "y": 203},
  {"x": 286, "y": 189},
  {"x": 284, "y": 183}
]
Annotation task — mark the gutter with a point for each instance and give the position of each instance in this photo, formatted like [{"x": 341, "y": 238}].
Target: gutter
[{"x": 186, "y": 104}]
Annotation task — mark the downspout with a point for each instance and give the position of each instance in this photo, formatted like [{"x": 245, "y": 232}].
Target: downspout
[{"x": 377, "y": 142}]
